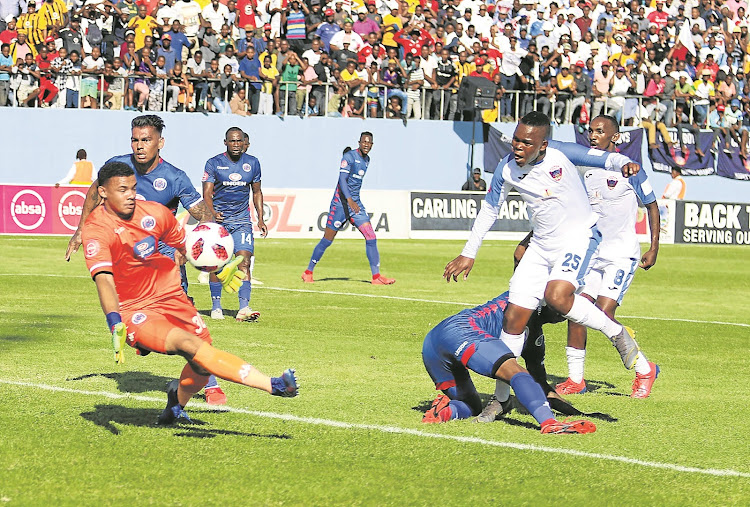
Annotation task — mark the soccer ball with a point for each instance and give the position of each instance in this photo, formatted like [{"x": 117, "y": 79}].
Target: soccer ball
[{"x": 209, "y": 246}]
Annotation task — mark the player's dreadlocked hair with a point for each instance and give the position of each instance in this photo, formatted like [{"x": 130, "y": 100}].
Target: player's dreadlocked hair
[
  {"x": 148, "y": 120},
  {"x": 113, "y": 170},
  {"x": 537, "y": 119},
  {"x": 611, "y": 119}
]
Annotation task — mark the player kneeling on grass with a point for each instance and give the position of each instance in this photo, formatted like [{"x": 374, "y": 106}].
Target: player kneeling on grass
[
  {"x": 470, "y": 340},
  {"x": 140, "y": 293}
]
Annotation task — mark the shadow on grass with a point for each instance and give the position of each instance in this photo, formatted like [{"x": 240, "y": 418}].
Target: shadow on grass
[
  {"x": 107, "y": 416},
  {"x": 343, "y": 279},
  {"x": 132, "y": 381},
  {"x": 228, "y": 314}
]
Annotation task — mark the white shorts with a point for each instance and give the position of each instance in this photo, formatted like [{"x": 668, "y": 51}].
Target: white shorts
[
  {"x": 537, "y": 267},
  {"x": 610, "y": 278}
]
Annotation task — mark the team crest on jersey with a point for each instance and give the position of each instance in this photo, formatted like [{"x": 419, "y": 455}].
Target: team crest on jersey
[
  {"x": 138, "y": 318},
  {"x": 92, "y": 248},
  {"x": 235, "y": 177},
  {"x": 344, "y": 164},
  {"x": 611, "y": 183},
  {"x": 160, "y": 184},
  {"x": 148, "y": 222},
  {"x": 556, "y": 173},
  {"x": 361, "y": 172},
  {"x": 246, "y": 167},
  {"x": 145, "y": 248}
]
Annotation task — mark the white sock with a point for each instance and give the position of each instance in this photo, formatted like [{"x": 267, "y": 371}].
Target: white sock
[
  {"x": 576, "y": 359},
  {"x": 641, "y": 365},
  {"x": 252, "y": 265},
  {"x": 514, "y": 341},
  {"x": 502, "y": 390},
  {"x": 584, "y": 312}
]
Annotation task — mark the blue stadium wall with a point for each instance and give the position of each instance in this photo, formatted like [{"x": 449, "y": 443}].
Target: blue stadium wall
[{"x": 38, "y": 146}]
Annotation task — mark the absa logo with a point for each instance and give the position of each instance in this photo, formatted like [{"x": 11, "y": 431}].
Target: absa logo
[
  {"x": 70, "y": 207},
  {"x": 28, "y": 212}
]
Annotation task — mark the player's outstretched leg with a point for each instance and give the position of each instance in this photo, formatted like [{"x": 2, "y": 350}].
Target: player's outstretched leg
[{"x": 373, "y": 256}]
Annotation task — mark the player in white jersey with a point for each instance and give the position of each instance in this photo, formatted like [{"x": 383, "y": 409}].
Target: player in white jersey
[
  {"x": 614, "y": 199},
  {"x": 565, "y": 238}
]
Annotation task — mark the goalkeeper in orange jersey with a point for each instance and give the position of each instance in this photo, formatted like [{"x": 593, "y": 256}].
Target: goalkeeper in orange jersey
[{"x": 140, "y": 293}]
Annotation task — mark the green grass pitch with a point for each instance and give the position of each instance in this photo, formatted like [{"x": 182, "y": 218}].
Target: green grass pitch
[{"x": 79, "y": 430}]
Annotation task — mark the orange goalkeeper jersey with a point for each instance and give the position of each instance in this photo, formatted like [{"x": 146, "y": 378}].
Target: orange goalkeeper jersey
[{"x": 129, "y": 249}]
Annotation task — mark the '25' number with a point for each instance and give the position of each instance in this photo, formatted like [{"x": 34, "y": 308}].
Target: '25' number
[{"x": 572, "y": 261}]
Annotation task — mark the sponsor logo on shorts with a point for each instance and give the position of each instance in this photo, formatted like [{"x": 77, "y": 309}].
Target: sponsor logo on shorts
[
  {"x": 244, "y": 371},
  {"x": 246, "y": 167},
  {"x": 337, "y": 224},
  {"x": 160, "y": 184},
  {"x": 148, "y": 222},
  {"x": 235, "y": 177},
  {"x": 131, "y": 336},
  {"x": 539, "y": 341},
  {"x": 92, "y": 248},
  {"x": 461, "y": 348},
  {"x": 556, "y": 173},
  {"x": 611, "y": 183},
  {"x": 138, "y": 318}
]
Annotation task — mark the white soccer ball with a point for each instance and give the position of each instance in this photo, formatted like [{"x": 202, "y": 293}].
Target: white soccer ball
[{"x": 209, "y": 246}]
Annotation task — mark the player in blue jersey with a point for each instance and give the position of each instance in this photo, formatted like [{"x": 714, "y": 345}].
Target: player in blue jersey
[
  {"x": 159, "y": 181},
  {"x": 346, "y": 206},
  {"x": 228, "y": 181},
  {"x": 470, "y": 340}
]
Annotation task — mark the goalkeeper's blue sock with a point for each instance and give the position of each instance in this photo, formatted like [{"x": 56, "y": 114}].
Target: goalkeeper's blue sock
[
  {"x": 373, "y": 256},
  {"x": 211, "y": 382},
  {"x": 244, "y": 293},
  {"x": 215, "y": 288},
  {"x": 184, "y": 278},
  {"x": 318, "y": 252},
  {"x": 459, "y": 410},
  {"x": 531, "y": 396}
]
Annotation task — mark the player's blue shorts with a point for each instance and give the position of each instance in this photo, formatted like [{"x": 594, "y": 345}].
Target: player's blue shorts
[
  {"x": 453, "y": 346},
  {"x": 242, "y": 234},
  {"x": 340, "y": 213}
]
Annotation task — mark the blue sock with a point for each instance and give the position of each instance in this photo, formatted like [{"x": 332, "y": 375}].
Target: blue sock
[
  {"x": 460, "y": 410},
  {"x": 211, "y": 382},
  {"x": 183, "y": 278},
  {"x": 215, "y": 288},
  {"x": 531, "y": 396},
  {"x": 371, "y": 247},
  {"x": 244, "y": 293},
  {"x": 318, "y": 252}
]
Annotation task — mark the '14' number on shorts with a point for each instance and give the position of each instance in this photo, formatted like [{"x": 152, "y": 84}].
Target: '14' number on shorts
[
  {"x": 572, "y": 261},
  {"x": 199, "y": 324},
  {"x": 247, "y": 238}
]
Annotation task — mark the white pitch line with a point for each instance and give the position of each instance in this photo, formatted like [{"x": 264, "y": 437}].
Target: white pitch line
[
  {"x": 404, "y": 431},
  {"x": 418, "y": 300}
]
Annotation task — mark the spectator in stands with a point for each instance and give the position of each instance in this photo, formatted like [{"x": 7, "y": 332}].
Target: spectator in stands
[
  {"x": 6, "y": 66},
  {"x": 196, "y": 69},
  {"x": 269, "y": 75},
  {"x": 239, "y": 103},
  {"x": 475, "y": 183}
]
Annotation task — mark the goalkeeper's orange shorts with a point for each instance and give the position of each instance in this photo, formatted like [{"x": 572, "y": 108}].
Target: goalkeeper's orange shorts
[{"x": 148, "y": 327}]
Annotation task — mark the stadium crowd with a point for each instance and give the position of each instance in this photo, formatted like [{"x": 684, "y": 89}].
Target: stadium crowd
[{"x": 655, "y": 65}]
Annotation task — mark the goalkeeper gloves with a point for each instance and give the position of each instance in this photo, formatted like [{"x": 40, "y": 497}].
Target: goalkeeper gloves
[
  {"x": 119, "y": 335},
  {"x": 231, "y": 277}
]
